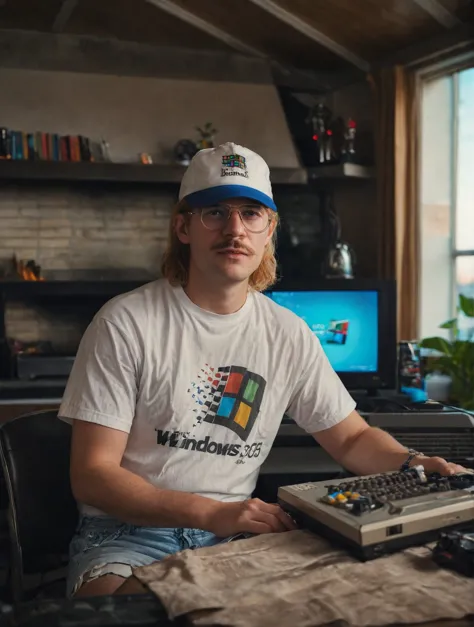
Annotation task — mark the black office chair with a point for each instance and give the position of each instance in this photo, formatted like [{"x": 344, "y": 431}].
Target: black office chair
[{"x": 34, "y": 453}]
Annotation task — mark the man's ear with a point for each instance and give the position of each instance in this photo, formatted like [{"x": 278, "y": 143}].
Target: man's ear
[
  {"x": 271, "y": 229},
  {"x": 181, "y": 228}
]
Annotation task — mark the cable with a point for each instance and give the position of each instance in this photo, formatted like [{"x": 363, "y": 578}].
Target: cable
[{"x": 457, "y": 409}]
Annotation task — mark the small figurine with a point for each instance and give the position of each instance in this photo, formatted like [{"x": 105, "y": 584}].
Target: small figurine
[
  {"x": 145, "y": 158},
  {"x": 348, "y": 148},
  {"x": 184, "y": 151},
  {"x": 105, "y": 150},
  {"x": 320, "y": 117}
]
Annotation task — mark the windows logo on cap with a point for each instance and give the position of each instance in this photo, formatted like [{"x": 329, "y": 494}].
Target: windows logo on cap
[{"x": 226, "y": 171}]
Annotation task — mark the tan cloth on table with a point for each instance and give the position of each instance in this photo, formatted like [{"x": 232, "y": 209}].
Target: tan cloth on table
[{"x": 300, "y": 580}]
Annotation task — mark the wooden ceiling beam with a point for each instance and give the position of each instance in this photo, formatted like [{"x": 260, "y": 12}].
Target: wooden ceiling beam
[
  {"x": 312, "y": 80},
  {"x": 63, "y": 15},
  {"x": 312, "y": 33},
  {"x": 194, "y": 20},
  {"x": 439, "y": 13}
]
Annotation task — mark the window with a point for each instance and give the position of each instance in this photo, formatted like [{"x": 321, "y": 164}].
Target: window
[{"x": 447, "y": 197}]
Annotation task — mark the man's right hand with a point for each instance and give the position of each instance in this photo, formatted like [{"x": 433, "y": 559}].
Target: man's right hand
[{"x": 250, "y": 516}]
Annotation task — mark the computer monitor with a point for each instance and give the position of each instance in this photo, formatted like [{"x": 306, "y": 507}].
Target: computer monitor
[{"x": 355, "y": 321}]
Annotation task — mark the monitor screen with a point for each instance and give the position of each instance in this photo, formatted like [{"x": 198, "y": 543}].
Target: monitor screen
[{"x": 346, "y": 323}]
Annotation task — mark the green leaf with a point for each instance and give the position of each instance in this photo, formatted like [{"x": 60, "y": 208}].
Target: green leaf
[
  {"x": 455, "y": 358},
  {"x": 450, "y": 324},
  {"x": 445, "y": 366},
  {"x": 438, "y": 344},
  {"x": 466, "y": 305}
]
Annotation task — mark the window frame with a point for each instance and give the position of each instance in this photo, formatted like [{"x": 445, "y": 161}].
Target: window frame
[{"x": 455, "y": 253}]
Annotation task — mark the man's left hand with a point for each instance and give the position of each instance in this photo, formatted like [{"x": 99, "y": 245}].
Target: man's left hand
[{"x": 438, "y": 464}]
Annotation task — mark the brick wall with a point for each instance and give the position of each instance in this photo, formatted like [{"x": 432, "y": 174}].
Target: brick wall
[
  {"x": 84, "y": 228},
  {"x": 65, "y": 228}
]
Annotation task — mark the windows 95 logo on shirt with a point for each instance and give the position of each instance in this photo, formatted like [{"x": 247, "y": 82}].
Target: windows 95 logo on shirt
[{"x": 229, "y": 396}]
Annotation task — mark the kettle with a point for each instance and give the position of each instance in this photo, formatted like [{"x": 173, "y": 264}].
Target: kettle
[{"x": 339, "y": 257}]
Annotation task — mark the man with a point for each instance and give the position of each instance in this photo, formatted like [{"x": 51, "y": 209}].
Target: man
[{"x": 178, "y": 388}]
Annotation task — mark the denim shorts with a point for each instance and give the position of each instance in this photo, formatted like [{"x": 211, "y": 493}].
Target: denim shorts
[{"x": 104, "y": 545}]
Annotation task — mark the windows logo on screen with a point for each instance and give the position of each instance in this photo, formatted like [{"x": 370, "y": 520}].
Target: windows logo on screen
[
  {"x": 234, "y": 399},
  {"x": 337, "y": 331}
]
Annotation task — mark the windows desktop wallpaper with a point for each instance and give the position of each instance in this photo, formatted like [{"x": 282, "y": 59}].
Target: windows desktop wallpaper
[{"x": 346, "y": 323}]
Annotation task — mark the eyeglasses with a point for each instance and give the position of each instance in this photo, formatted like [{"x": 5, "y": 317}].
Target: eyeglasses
[{"x": 255, "y": 218}]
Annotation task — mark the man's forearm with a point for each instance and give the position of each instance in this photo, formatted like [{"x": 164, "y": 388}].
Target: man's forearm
[
  {"x": 128, "y": 497},
  {"x": 373, "y": 451}
]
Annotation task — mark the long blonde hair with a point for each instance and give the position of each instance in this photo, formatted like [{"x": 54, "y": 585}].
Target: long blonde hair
[{"x": 175, "y": 264}]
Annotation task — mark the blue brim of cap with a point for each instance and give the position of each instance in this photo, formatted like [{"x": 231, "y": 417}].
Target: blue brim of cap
[{"x": 213, "y": 195}]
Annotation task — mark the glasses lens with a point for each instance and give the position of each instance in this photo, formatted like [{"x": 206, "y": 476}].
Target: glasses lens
[
  {"x": 214, "y": 218},
  {"x": 254, "y": 217}
]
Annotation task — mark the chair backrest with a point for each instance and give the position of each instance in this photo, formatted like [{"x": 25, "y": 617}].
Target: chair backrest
[{"x": 35, "y": 451}]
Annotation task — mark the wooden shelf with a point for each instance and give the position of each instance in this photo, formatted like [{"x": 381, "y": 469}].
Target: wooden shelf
[
  {"x": 18, "y": 289},
  {"x": 154, "y": 174},
  {"x": 341, "y": 171},
  {"x": 57, "y": 171}
]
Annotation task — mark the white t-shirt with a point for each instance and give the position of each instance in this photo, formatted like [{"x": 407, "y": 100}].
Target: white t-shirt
[{"x": 201, "y": 394}]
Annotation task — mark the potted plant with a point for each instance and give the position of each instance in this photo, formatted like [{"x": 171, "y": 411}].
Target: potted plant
[
  {"x": 456, "y": 356},
  {"x": 207, "y": 133}
]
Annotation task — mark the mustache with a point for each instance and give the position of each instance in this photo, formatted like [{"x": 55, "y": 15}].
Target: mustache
[{"x": 238, "y": 246}]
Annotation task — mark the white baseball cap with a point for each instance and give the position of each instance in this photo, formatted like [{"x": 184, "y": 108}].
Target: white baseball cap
[{"x": 226, "y": 171}]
